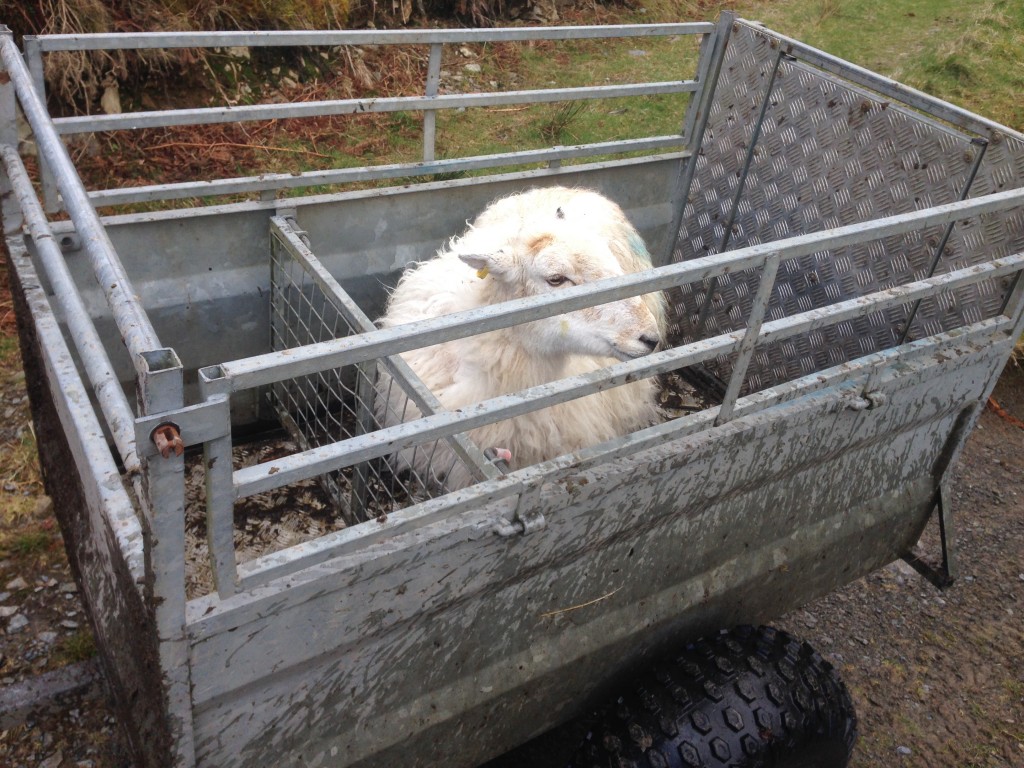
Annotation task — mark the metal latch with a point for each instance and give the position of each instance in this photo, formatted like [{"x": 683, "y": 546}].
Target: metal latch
[{"x": 526, "y": 519}]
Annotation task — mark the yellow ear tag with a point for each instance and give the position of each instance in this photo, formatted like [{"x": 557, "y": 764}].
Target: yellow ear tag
[{"x": 482, "y": 272}]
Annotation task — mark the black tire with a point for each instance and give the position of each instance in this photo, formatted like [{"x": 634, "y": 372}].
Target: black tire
[{"x": 746, "y": 698}]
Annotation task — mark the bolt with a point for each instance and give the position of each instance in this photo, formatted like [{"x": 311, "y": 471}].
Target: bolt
[{"x": 166, "y": 438}]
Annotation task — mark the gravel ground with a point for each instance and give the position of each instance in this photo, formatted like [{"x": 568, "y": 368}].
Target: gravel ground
[{"x": 936, "y": 676}]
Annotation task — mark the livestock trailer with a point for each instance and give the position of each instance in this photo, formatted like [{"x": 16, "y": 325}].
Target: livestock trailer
[{"x": 842, "y": 259}]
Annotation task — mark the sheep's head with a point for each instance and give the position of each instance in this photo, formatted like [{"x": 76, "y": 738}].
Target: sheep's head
[{"x": 552, "y": 260}]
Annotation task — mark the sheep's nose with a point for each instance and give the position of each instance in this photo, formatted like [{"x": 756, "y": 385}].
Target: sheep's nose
[{"x": 649, "y": 341}]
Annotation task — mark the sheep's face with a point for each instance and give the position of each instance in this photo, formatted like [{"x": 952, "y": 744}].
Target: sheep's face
[{"x": 551, "y": 262}]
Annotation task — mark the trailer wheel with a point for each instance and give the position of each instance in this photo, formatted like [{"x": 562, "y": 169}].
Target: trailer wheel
[{"x": 752, "y": 697}]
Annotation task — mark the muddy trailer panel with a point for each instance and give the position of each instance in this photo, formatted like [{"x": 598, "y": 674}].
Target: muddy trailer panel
[{"x": 842, "y": 257}]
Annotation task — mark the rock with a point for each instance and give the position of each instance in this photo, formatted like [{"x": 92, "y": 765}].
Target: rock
[
  {"x": 17, "y": 623},
  {"x": 47, "y": 637},
  {"x": 16, "y": 584},
  {"x": 473, "y": 67},
  {"x": 110, "y": 101},
  {"x": 69, "y": 624},
  {"x": 6, "y": 611},
  {"x": 44, "y": 506},
  {"x": 69, "y": 587},
  {"x": 905, "y": 751},
  {"x": 53, "y": 761}
]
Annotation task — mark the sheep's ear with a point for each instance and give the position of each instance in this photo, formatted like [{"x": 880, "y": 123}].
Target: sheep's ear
[
  {"x": 476, "y": 261},
  {"x": 484, "y": 264}
]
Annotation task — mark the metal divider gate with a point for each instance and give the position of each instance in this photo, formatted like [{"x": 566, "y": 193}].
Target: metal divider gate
[{"x": 308, "y": 305}]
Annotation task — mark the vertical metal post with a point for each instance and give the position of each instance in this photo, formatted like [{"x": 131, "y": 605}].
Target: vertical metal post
[
  {"x": 366, "y": 422},
  {"x": 746, "y": 350},
  {"x": 220, "y": 508},
  {"x": 982, "y": 145},
  {"x": 34, "y": 60},
  {"x": 712, "y": 53},
  {"x": 11, "y": 212},
  {"x": 432, "y": 89},
  {"x": 741, "y": 184},
  {"x": 161, "y": 389},
  {"x": 697, "y": 98}
]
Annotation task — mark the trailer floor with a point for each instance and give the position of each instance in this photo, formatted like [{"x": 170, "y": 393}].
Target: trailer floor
[{"x": 936, "y": 677}]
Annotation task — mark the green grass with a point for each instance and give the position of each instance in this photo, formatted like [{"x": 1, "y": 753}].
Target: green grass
[
  {"x": 77, "y": 647},
  {"x": 30, "y": 543},
  {"x": 971, "y": 54}
]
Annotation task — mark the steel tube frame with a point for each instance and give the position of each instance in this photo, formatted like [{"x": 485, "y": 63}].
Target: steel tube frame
[
  {"x": 214, "y": 115},
  {"x": 307, "y": 464},
  {"x": 143, "y": 40},
  {"x": 430, "y": 103},
  {"x": 274, "y": 181},
  {"x": 132, "y": 322},
  {"x": 850, "y": 377},
  {"x": 268, "y": 368},
  {"x": 111, "y": 398}
]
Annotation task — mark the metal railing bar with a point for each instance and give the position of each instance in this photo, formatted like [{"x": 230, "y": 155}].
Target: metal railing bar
[
  {"x": 142, "y": 40},
  {"x": 301, "y": 466},
  {"x": 274, "y": 181},
  {"x": 746, "y": 351},
  {"x": 132, "y": 322},
  {"x": 813, "y": 319},
  {"x": 267, "y": 368},
  {"x": 247, "y": 112},
  {"x": 262, "y": 570},
  {"x": 116, "y": 410}
]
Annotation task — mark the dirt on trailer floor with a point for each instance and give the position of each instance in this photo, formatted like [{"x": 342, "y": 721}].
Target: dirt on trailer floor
[{"x": 937, "y": 677}]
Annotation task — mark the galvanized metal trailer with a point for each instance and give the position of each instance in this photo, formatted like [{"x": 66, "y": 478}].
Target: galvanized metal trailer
[{"x": 843, "y": 258}]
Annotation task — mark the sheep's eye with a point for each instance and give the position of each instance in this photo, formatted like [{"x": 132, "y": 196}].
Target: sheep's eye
[{"x": 558, "y": 280}]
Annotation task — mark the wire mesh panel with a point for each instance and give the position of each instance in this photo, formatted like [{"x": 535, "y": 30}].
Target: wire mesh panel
[
  {"x": 791, "y": 149},
  {"x": 327, "y": 406}
]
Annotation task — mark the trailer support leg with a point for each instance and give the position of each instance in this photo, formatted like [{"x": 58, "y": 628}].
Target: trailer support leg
[{"x": 943, "y": 574}]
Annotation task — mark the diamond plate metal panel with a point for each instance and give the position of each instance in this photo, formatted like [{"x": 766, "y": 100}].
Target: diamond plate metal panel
[{"x": 830, "y": 153}]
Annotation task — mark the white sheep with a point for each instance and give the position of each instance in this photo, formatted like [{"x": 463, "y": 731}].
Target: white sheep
[{"x": 527, "y": 244}]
